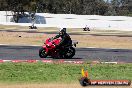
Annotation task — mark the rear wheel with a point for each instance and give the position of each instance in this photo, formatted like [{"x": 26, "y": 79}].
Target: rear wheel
[
  {"x": 42, "y": 53},
  {"x": 69, "y": 53}
]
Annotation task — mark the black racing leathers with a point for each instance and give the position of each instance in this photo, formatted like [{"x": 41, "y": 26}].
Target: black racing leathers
[{"x": 65, "y": 40}]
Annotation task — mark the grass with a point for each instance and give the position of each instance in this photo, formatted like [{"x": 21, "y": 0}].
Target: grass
[{"x": 60, "y": 73}]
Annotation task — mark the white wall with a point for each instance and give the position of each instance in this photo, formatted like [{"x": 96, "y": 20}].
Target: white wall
[
  {"x": 5, "y": 16},
  {"x": 73, "y": 21}
]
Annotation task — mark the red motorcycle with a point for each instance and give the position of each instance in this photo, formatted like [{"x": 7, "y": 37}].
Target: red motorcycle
[{"x": 49, "y": 49}]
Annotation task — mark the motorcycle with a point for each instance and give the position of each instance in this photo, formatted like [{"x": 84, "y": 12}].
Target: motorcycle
[{"x": 49, "y": 49}]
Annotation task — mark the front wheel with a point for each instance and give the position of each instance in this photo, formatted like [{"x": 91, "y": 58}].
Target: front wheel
[
  {"x": 42, "y": 53},
  {"x": 70, "y": 52}
]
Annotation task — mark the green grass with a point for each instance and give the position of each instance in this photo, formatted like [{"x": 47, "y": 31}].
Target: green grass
[{"x": 62, "y": 73}]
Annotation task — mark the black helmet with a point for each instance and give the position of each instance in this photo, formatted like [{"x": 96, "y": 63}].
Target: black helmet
[{"x": 63, "y": 31}]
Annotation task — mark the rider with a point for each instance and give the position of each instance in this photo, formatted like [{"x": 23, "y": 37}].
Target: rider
[{"x": 65, "y": 39}]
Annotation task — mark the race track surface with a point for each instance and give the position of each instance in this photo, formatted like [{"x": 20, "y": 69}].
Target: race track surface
[{"x": 91, "y": 54}]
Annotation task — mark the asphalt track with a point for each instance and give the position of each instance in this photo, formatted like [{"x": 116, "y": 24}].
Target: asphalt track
[{"x": 91, "y": 54}]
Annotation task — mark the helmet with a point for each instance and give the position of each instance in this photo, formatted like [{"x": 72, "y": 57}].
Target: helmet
[{"x": 62, "y": 31}]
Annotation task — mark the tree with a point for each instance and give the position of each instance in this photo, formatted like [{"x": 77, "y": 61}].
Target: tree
[
  {"x": 121, "y": 6},
  {"x": 86, "y": 7}
]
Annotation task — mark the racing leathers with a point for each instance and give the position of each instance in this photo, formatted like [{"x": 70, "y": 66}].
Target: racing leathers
[{"x": 65, "y": 40}]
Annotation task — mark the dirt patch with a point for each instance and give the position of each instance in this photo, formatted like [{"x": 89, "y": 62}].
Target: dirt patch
[
  {"x": 103, "y": 41},
  {"x": 22, "y": 38},
  {"x": 56, "y": 86},
  {"x": 86, "y": 39}
]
